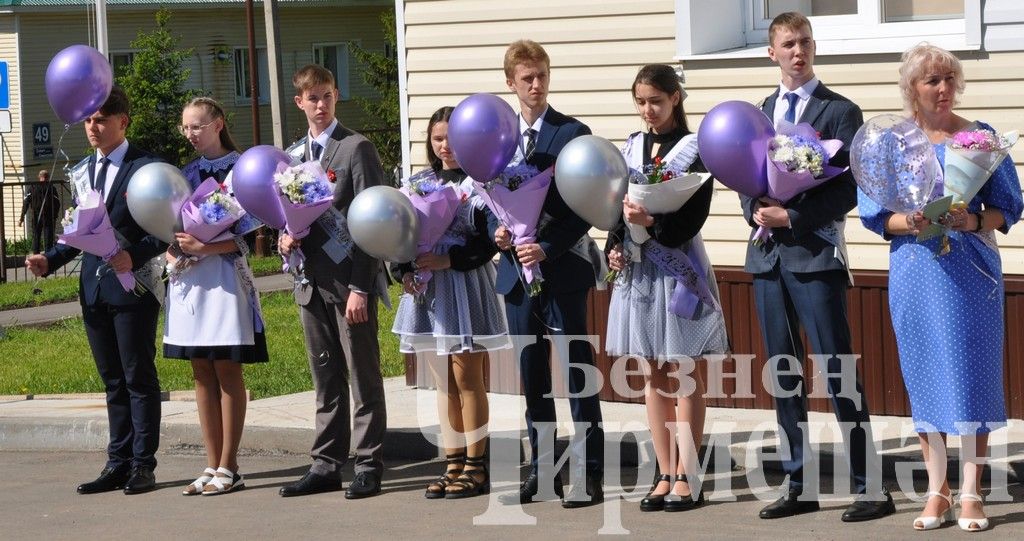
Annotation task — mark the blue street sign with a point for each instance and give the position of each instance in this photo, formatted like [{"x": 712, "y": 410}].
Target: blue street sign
[{"x": 5, "y": 87}]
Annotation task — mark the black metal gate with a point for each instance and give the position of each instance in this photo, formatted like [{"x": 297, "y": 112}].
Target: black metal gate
[{"x": 16, "y": 241}]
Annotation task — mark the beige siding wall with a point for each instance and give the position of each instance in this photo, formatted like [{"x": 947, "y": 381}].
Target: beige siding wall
[
  {"x": 12, "y": 152},
  {"x": 455, "y": 48}
]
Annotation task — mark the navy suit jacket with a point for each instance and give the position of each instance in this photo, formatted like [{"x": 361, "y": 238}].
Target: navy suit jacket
[
  {"x": 797, "y": 248},
  {"x": 141, "y": 246},
  {"x": 562, "y": 270}
]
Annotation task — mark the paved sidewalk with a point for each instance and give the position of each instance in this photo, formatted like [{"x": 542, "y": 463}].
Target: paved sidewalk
[
  {"x": 746, "y": 439},
  {"x": 51, "y": 313}
]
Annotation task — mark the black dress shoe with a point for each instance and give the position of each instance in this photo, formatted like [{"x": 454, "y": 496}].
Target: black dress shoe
[
  {"x": 365, "y": 484},
  {"x": 788, "y": 506},
  {"x": 109, "y": 479},
  {"x": 141, "y": 480},
  {"x": 591, "y": 492},
  {"x": 869, "y": 508},
  {"x": 311, "y": 483},
  {"x": 675, "y": 503},
  {"x": 655, "y": 503},
  {"x": 528, "y": 489}
]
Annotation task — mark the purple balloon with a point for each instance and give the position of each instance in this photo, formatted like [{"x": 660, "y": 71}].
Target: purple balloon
[
  {"x": 78, "y": 82},
  {"x": 252, "y": 180},
  {"x": 733, "y": 141},
  {"x": 483, "y": 133}
]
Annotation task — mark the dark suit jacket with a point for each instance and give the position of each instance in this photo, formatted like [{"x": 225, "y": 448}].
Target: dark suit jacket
[
  {"x": 141, "y": 246},
  {"x": 797, "y": 248},
  {"x": 356, "y": 165},
  {"x": 563, "y": 271}
]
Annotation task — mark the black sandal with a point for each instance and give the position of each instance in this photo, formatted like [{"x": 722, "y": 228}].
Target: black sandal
[
  {"x": 436, "y": 490},
  {"x": 467, "y": 484},
  {"x": 656, "y": 503}
]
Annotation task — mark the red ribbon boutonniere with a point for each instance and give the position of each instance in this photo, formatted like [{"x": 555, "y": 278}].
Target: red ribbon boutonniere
[
  {"x": 223, "y": 187},
  {"x": 464, "y": 197},
  {"x": 332, "y": 177}
]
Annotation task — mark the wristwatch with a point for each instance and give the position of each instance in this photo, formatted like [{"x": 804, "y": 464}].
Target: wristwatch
[{"x": 981, "y": 221}]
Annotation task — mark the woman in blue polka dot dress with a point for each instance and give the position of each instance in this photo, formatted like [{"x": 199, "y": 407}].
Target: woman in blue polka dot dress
[{"x": 947, "y": 310}]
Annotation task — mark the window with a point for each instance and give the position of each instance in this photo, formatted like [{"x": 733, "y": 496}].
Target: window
[
  {"x": 243, "y": 92},
  {"x": 840, "y": 26},
  {"x": 121, "y": 61},
  {"x": 334, "y": 56}
]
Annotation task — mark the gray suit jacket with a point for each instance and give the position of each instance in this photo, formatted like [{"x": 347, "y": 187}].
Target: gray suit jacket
[
  {"x": 798, "y": 248},
  {"x": 356, "y": 166}
]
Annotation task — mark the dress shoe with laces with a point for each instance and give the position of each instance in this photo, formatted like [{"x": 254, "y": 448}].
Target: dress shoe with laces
[
  {"x": 591, "y": 492},
  {"x": 788, "y": 506},
  {"x": 110, "y": 479},
  {"x": 364, "y": 485},
  {"x": 528, "y": 489},
  {"x": 870, "y": 507},
  {"x": 141, "y": 480},
  {"x": 311, "y": 483}
]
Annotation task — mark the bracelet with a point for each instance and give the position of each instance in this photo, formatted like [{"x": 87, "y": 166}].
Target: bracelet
[{"x": 981, "y": 221}]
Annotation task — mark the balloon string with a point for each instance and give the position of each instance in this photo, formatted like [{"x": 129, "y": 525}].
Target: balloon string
[{"x": 67, "y": 160}]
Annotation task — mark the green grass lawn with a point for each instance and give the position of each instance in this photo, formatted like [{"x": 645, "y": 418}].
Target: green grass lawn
[
  {"x": 56, "y": 359},
  {"x": 64, "y": 289}
]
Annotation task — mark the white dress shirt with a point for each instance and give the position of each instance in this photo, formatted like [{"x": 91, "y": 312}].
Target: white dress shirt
[
  {"x": 523, "y": 126},
  {"x": 322, "y": 139},
  {"x": 803, "y": 92},
  {"x": 116, "y": 158}
]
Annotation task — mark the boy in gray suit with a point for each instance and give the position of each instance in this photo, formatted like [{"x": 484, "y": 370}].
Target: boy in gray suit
[{"x": 338, "y": 302}]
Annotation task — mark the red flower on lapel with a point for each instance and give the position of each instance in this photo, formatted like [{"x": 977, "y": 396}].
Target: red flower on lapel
[{"x": 332, "y": 177}]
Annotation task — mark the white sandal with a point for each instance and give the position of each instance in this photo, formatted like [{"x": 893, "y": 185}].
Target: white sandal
[
  {"x": 223, "y": 482},
  {"x": 930, "y": 523},
  {"x": 971, "y": 524},
  {"x": 197, "y": 486}
]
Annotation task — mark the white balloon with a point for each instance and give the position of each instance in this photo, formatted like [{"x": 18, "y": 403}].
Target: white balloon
[
  {"x": 383, "y": 223},
  {"x": 155, "y": 195},
  {"x": 592, "y": 176}
]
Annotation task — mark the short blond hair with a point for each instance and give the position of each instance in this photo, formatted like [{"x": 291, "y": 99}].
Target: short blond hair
[
  {"x": 312, "y": 75},
  {"x": 916, "y": 64},
  {"x": 522, "y": 52},
  {"x": 792, "y": 20}
]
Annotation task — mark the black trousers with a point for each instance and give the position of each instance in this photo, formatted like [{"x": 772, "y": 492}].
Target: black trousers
[{"x": 123, "y": 343}]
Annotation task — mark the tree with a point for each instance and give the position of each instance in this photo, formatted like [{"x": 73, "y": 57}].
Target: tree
[
  {"x": 154, "y": 82},
  {"x": 380, "y": 71}
]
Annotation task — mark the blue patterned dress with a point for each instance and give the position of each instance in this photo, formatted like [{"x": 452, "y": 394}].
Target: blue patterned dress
[{"x": 947, "y": 312}]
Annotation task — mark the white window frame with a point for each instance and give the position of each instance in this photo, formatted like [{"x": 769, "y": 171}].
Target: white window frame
[
  {"x": 342, "y": 80},
  {"x": 860, "y": 33},
  {"x": 241, "y": 53}
]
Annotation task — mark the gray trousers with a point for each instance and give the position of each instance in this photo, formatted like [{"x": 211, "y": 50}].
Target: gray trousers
[{"x": 345, "y": 357}]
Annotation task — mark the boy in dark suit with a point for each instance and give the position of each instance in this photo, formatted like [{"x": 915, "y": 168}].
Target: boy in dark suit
[
  {"x": 561, "y": 307},
  {"x": 120, "y": 325},
  {"x": 338, "y": 305},
  {"x": 801, "y": 275}
]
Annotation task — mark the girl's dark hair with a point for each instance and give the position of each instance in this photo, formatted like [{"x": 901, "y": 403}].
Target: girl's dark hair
[
  {"x": 664, "y": 78},
  {"x": 215, "y": 111},
  {"x": 441, "y": 115}
]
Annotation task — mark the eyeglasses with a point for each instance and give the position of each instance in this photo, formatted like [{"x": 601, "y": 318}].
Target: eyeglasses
[{"x": 187, "y": 130}]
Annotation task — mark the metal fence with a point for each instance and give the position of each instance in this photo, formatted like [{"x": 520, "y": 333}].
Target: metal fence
[{"x": 16, "y": 240}]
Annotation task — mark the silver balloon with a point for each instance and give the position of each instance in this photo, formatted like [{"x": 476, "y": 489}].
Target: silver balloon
[
  {"x": 592, "y": 177},
  {"x": 894, "y": 163},
  {"x": 155, "y": 195},
  {"x": 383, "y": 223}
]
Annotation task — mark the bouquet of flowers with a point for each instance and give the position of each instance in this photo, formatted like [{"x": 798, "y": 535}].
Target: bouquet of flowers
[
  {"x": 661, "y": 188},
  {"x": 208, "y": 215},
  {"x": 87, "y": 227},
  {"x": 798, "y": 160},
  {"x": 436, "y": 205},
  {"x": 306, "y": 194},
  {"x": 971, "y": 158},
  {"x": 516, "y": 198}
]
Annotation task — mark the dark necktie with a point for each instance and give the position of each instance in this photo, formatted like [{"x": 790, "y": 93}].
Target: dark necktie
[
  {"x": 315, "y": 150},
  {"x": 100, "y": 180},
  {"x": 792, "y": 98},
  {"x": 531, "y": 143}
]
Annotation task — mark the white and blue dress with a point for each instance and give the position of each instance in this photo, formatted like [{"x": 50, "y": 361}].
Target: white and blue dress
[
  {"x": 947, "y": 312},
  {"x": 213, "y": 309}
]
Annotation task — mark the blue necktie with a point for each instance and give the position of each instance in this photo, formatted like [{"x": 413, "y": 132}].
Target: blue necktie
[
  {"x": 791, "y": 97},
  {"x": 100, "y": 179},
  {"x": 315, "y": 150}
]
